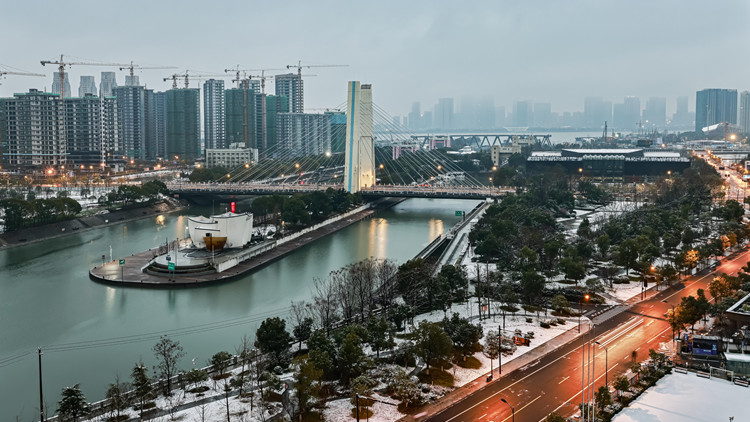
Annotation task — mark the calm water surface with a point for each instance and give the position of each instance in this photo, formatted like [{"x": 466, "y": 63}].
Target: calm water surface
[{"x": 92, "y": 332}]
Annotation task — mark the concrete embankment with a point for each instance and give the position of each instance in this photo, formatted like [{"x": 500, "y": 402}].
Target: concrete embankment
[
  {"x": 131, "y": 273},
  {"x": 78, "y": 225}
]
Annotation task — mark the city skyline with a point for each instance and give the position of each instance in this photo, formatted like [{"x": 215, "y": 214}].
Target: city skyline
[{"x": 540, "y": 52}]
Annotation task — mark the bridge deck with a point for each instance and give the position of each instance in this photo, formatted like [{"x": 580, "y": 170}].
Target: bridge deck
[{"x": 376, "y": 191}]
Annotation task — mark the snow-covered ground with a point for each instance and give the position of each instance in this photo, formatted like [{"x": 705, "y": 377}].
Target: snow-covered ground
[{"x": 679, "y": 397}]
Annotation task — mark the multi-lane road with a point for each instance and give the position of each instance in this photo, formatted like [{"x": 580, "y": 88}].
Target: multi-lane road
[{"x": 555, "y": 381}]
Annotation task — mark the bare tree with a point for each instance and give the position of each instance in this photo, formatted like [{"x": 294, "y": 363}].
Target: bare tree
[
  {"x": 244, "y": 352},
  {"x": 168, "y": 353},
  {"x": 325, "y": 306},
  {"x": 344, "y": 292},
  {"x": 385, "y": 281}
]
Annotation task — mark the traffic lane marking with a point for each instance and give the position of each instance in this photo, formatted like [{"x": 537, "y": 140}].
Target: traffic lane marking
[
  {"x": 574, "y": 395},
  {"x": 563, "y": 380},
  {"x": 521, "y": 408}
]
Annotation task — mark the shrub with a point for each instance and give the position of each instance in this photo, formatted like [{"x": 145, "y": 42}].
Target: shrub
[{"x": 544, "y": 324}]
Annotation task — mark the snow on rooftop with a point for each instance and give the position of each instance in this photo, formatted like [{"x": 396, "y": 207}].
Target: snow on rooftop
[
  {"x": 671, "y": 154},
  {"x": 685, "y": 397},
  {"x": 605, "y": 151}
]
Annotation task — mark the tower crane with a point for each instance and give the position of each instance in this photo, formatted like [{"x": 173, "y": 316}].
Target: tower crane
[
  {"x": 133, "y": 66},
  {"x": 3, "y": 73},
  {"x": 299, "y": 66},
  {"x": 61, "y": 69},
  {"x": 189, "y": 76}
]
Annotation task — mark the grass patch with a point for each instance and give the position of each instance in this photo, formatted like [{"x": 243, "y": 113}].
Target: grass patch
[
  {"x": 200, "y": 389},
  {"x": 470, "y": 363},
  {"x": 436, "y": 377},
  {"x": 566, "y": 281}
]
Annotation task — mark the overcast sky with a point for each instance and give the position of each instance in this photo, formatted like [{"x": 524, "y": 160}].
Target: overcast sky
[{"x": 543, "y": 51}]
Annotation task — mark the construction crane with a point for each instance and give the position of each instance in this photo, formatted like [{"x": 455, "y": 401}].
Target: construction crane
[
  {"x": 299, "y": 66},
  {"x": 189, "y": 76},
  {"x": 133, "y": 66},
  {"x": 5, "y": 72},
  {"x": 61, "y": 69}
]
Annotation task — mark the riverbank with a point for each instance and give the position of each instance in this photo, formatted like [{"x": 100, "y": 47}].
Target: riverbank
[
  {"x": 63, "y": 228},
  {"x": 130, "y": 272}
]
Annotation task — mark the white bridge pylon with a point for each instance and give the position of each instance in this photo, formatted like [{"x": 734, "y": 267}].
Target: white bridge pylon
[{"x": 359, "y": 162}]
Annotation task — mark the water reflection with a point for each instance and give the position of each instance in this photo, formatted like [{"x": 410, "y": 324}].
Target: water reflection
[{"x": 436, "y": 228}]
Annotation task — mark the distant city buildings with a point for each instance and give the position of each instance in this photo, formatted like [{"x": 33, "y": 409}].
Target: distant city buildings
[
  {"x": 107, "y": 83},
  {"x": 87, "y": 86},
  {"x": 56, "y": 85},
  {"x": 714, "y": 106}
]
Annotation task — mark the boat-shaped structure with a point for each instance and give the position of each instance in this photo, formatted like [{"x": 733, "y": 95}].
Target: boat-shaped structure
[{"x": 228, "y": 230}]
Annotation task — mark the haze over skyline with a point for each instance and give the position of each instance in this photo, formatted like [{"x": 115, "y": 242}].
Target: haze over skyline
[{"x": 557, "y": 52}]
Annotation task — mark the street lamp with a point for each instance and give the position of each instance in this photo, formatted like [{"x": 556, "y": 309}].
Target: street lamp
[
  {"x": 512, "y": 410},
  {"x": 580, "y": 309},
  {"x": 499, "y": 353},
  {"x": 606, "y": 363}
]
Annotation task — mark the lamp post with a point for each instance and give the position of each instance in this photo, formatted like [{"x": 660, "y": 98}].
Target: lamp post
[
  {"x": 606, "y": 362},
  {"x": 512, "y": 410},
  {"x": 580, "y": 309},
  {"x": 499, "y": 353}
]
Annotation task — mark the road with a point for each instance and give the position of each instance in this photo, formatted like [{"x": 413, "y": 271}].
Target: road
[{"x": 554, "y": 382}]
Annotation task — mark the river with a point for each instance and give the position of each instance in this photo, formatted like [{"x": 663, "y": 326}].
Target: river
[{"x": 89, "y": 333}]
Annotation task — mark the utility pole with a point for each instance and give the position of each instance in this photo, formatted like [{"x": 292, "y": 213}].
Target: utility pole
[{"x": 41, "y": 394}]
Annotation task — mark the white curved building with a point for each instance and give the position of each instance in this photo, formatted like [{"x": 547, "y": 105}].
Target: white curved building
[{"x": 228, "y": 230}]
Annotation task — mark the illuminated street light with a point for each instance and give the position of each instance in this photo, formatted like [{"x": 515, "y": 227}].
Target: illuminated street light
[
  {"x": 381, "y": 166},
  {"x": 296, "y": 165},
  {"x": 247, "y": 166}
]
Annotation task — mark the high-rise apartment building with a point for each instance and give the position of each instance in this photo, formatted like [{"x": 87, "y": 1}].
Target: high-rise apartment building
[
  {"x": 91, "y": 130},
  {"x": 626, "y": 115},
  {"x": 523, "y": 113},
  {"x": 107, "y": 83},
  {"x": 543, "y": 115},
  {"x": 132, "y": 80},
  {"x": 33, "y": 130},
  {"x": 214, "y": 114},
  {"x": 745, "y": 111},
  {"x": 714, "y": 106},
  {"x": 303, "y": 134},
  {"x": 292, "y": 87},
  {"x": 596, "y": 111},
  {"x": 239, "y": 117},
  {"x": 443, "y": 115},
  {"x": 415, "y": 116},
  {"x": 183, "y": 123},
  {"x": 274, "y": 106},
  {"x": 486, "y": 113},
  {"x": 160, "y": 123},
  {"x": 655, "y": 113},
  {"x": 56, "y": 85},
  {"x": 87, "y": 86},
  {"x": 131, "y": 110}
]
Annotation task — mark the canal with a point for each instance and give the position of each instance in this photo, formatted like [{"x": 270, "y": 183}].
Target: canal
[{"x": 89, "y": 333}]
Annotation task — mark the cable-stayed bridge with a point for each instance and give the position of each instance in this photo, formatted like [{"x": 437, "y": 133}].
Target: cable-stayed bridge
[{"x": 377, "y": 158}]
